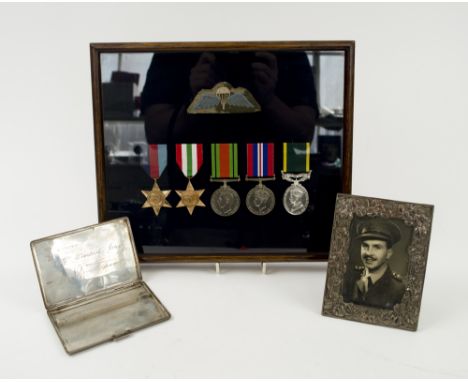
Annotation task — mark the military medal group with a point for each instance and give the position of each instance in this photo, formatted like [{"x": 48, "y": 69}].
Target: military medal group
[{"x": 225, "y": 201}]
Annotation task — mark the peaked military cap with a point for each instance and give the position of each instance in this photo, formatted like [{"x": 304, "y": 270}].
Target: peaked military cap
[{"x": 379, "y": 229}]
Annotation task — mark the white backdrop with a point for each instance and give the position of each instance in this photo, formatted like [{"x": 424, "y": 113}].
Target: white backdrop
[{"x": 409, "y": 144}]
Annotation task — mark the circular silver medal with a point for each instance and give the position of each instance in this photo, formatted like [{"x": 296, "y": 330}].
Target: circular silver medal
[
  {"x": 225, "y": 201},
  {"x": 296, "y": 199},
  {"x": 260, "y": 200}
]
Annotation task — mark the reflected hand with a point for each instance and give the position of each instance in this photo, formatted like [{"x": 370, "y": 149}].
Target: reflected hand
[
  {"x": 202, "y": 75},
  {"x": 265, "y": 76}
]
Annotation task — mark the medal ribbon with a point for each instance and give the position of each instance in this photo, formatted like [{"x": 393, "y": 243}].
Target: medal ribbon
[
  {"x": 296, "y": 157},
  {"x": 189, "y": 157},
  {"x": 224, "y": 160},
  {"x": 157, "y": 160},
  {"x": 260, "y": 163}
]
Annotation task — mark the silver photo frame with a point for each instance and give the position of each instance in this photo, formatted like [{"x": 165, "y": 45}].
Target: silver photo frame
[{"x": 377, "y": 261}]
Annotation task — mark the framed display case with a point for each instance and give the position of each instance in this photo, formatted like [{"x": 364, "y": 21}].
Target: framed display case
[{"x": 224, "y": 151}]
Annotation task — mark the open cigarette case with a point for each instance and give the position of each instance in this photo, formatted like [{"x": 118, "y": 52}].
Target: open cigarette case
[{"x": 92, "y": 286}]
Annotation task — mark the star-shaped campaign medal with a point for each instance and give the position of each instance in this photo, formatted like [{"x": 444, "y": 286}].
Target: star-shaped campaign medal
[
  {"x": 190, "y": 198},
  {"x": 156, "y": 198}
]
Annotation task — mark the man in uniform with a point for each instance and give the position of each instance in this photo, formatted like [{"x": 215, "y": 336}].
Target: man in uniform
[{"x": 374, "y": 283}]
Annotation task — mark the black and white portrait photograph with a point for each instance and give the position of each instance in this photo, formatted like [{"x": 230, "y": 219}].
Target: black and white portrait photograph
[
  {"x": 378, "y": 256},
  {"x": 378, "y": 262}
]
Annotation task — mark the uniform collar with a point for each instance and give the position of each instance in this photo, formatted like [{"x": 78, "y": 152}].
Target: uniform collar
[{"x": 376, "y": 276}]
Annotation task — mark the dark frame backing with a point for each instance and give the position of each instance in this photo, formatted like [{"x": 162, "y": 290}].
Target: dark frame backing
[{"x": 142, "y": 47}]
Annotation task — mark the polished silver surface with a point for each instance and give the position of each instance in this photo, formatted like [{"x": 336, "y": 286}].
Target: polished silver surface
[
  {"x": 76, "y": 264},
  {"x": 225, "y": 201},
  {"x": 91, "y": 284},
  {"x": 296, "y": 178},
  {"x": 260, "y": 200},
  {"x": 115, "y": 316},
  {"x": 296, "y": 199}
]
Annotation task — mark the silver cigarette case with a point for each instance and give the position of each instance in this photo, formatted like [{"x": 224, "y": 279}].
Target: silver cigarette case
[{"x": 92, "y": 286}]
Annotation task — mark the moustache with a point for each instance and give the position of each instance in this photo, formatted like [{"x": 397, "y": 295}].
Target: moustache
[{"x": 369, "y": 257}]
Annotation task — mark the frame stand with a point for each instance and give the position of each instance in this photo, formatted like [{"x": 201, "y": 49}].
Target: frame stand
[{"x": 263, "y": 265}]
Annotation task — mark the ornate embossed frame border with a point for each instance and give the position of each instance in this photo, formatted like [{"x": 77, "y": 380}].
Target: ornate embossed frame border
[{"x": 418, "y": 216}]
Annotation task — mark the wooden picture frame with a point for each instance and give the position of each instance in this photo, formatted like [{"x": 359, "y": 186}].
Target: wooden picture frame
[
  {"x": 377, "y": 263},
  {"x": 110, "y": 104}
]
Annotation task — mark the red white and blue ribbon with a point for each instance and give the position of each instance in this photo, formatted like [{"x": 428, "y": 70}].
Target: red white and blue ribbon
[{"x": 260, "y": 160}]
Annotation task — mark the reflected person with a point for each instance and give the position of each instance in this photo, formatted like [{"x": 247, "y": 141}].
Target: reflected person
[{"x": 281, "y": 82}]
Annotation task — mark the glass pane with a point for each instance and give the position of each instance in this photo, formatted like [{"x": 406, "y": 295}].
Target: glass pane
[{"x": 164, "y": 98}]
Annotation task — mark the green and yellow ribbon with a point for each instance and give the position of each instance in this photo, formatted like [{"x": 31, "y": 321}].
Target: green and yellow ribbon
[{"x": 296, "y": 157}]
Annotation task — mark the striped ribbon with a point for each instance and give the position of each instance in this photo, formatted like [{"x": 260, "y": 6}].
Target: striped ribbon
[
  {"x": 157, "y": 160},
  {"x": 189, "y": 157},
  {"x": 296, "y": 157},
  {"x": 260, "y": 161},
  {"x": 224, "y": 160}
]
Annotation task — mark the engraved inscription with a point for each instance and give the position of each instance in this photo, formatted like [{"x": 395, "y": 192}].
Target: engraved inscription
[{"x": 83, "y": 262}]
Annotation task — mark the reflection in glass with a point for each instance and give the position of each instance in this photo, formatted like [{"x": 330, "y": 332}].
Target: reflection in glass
[{"x": 145, "y": 101}]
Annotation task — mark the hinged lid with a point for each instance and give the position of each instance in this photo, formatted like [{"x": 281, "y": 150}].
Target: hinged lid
[{"x": 79, "y": 263}]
